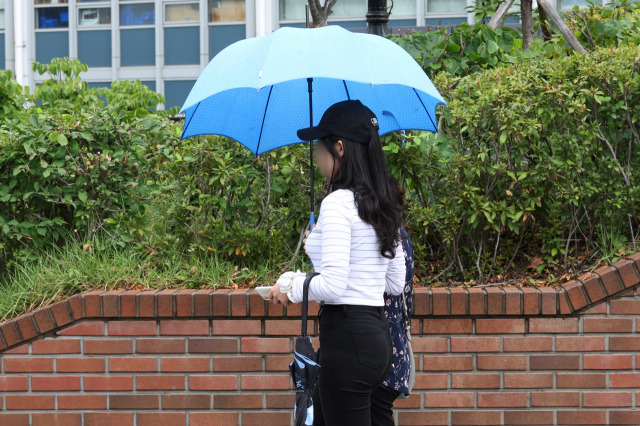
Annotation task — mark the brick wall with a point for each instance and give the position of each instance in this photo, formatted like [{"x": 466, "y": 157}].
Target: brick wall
[{"x": 564, "y": 356}]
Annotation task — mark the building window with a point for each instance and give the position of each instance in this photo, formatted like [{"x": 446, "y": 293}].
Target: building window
[
  {"x": 446, "y": 6},
  {"x": 137, "y": 14},
  {"x": 52, "y": 17},
  {"x": 294, "y": 10},
  {"x": 2, "y": 19},
  {"x": 94, "y": 16},
  {"x": 181, "y": 12},
  {"x": 568, "y": 4},
  {"x": 227, "y": 10}
]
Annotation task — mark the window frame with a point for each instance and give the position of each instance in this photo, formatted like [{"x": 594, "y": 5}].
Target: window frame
[
  {"x": 166, "y": 23},
  {"x": 93, "y": 5},
  {"x": 37, "y": 7},
  {"x": 132, "y": 2}
]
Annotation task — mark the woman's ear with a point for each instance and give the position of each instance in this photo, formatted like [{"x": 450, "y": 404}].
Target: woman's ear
[{"x": 339, "y": 147}]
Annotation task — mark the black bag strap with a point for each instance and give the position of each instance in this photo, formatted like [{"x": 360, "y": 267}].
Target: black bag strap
[{"x": 305, "y": 300}]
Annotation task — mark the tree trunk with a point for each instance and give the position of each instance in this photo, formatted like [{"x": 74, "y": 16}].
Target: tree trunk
[
  {"x": 498, "y": 18},
  {"x": 526, "y": 15},
  {"x": 320, "y": 12}
]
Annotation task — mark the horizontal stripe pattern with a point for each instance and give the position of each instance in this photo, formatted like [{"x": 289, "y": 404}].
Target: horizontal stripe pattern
[{"x": 345, "y": 251}]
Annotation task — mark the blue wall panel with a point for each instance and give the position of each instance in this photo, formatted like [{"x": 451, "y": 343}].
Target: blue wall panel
[
  {"x": 137, "y": 47},
  {"x": 182, "y": 45},
  {"x": 221, "y": 36},
  {"x": 2, "y": 56},
  {"x": 94, "y": 48},
  {"x": 176, "y": 92},
  {"x": 49, "y": 45}
]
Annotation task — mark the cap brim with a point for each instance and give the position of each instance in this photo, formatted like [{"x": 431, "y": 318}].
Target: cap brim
[{"x": 312, "y": 133}]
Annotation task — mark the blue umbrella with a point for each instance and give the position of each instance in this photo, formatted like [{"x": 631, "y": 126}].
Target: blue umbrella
[{"x": 260, "y": 91}]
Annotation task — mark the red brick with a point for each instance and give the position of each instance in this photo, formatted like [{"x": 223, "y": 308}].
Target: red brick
[
  {"x": 607, "y": 362},
  {"x": 91, "y": 302},
  {"x": 184, "y": 305},
  {"x": 202, "y": 303},
  {"x": 21, "y": 349},
  {"x": 161, "y": 419},
  {"x": 624, "y": 380},
  {"x": 440, "y": 300},
  {"x": 285, "y": 327},
  {"x": 221, "y": 302},
  {"x": 624, "y": 417},
  {"x": 606, "y": 399},
  {"x": 75, "y": 306},
  {"x": 213, "y": 345},
  {"x": 56, "y": 346},
  {"x": 423, "y": 418},
  {"x": 412, "y": 402},
  {"x": 235, "y": 363},
  {"x": 253, "y": 418},
  {"x": 476, "y": 301},
  {"x": 275, "y": 310},
  {"x": 528, "y": 380},
  {"x": 10, "y": 332},
  {"x": 146, "y": 303},
  {"x": 495, "y": 301},
  {"x": 502, "y": 362},
  {"x": 458, "y": 300},
  {"x": 521, "y": 417},
  {"x": 593, "y": 289},
  {"x": 238, "y": 302},
  {"x": 554, "y": 362},
  {"x": 502, "y": 399},
  {"x": 218, "y": 419},
  {"x": 420, "y": 304},
  {"x": 235, "y": 327},
  {"x": 26, "y": 326},
  {"x": 14, "y": 419},
  {"x": 131, "y": 328},
  {"x": 448, "y": 399},
  {"x": 553, "y": 325},
  {"x": 160, "y": 382},
  {"x": 165, "y": 303},
  {"x": 108, "y": 346},
  {"x": 184, "y": 327},
  {"x": 513, "y": 302},
  {"x": 475, "y": 381},
  {"x": 475, "y": 344},
  {"x": 531, "y": 301},
  {"x": 608, "y": 325},
  {"x": 265, "y": 344},
  {"x": 475, "y": 418},
  {"x": 431, "y": 381},
  {"x": 627, "y": 273},
  {"x": 13, "y": 383},
  {"x": 447, "y": 326},
  {"x": 276, "y": 362},
  {"x": 110, "y": 303},
  {"x": 128, "y": 303},
  {"x": 181, "y": 364},
  {"x": 257, "y": 305},
  {"x": 133, "y": 364},
  {"x": 624, "y": 306},
  {"x": 244, "y": 401},
  {"x": 549, "y": 301},
  {"x": 28, "y": 365},
  {"x": 609, "y": 279},
  {"x": 265, "y": 381},
  {"x": 429, "y": 344},
  {"x": 579, "y": 343},
  {"x": 56, "y": 419},
  {"x": 108, "y": 419},
  {"x": 213, "y": 382},
  {"x": 624, "y": 343},
  {"x": 160, "y": 345},
  {"x": 527, "y": 343},
  {"x": 82, "y": 402},
  {"x": 555, "y": 399},
  {"x": 108, "y": 383},
  {"x": 55, "y": 383},
  {"x": 580, "y": 380},
  {"x": 30, "y": 402},
  {"x": 84, "y": 328},
  {"x": 186, "y": 402},
  {"x": 500, "y": 326},
  {"x": 80, "y": 365},
  {"x": 447, "y": 362}
]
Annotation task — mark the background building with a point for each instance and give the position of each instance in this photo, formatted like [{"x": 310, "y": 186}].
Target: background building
[{"x": 166, "y": 43}]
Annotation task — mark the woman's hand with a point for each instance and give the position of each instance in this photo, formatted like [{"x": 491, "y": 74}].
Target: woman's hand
[
  {"x": 306, "y": 234},
  {"x": 277, "y": 297}
]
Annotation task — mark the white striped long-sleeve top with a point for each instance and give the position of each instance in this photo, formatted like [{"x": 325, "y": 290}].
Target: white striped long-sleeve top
[{"x": 345, "y": 251}]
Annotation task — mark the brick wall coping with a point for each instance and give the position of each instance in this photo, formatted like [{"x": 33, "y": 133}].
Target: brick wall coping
[{"x": 566, "y": 299}]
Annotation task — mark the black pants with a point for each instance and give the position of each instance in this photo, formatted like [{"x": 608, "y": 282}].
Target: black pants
[{"x": 355, "y": 356}]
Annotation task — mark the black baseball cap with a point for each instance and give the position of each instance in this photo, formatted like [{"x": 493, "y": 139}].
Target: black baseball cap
[{"x": 348, "y": 119}]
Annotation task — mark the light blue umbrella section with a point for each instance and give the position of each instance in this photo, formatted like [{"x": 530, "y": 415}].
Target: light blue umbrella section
[{"x": 256, "y": 90}]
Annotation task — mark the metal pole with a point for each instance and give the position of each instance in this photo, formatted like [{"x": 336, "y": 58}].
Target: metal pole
[{"x": 377, "y": 18}]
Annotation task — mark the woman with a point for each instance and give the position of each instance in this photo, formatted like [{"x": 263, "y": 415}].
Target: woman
[
  {"x": 396, "y": 382},
  {"x": 356, "y": 248}
]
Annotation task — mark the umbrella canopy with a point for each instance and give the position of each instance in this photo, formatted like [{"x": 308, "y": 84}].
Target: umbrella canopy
[
  {"x": 256, "y": 91},
  {"x": 304, "y": 368}
]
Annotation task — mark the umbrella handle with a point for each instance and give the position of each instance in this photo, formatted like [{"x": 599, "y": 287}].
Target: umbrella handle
[
  {"x": 312, "y": 221},
  {"x": 305, "y": 300}
]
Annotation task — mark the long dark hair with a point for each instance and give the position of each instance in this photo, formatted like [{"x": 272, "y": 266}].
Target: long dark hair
[{"x": 377, "y": 194}]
